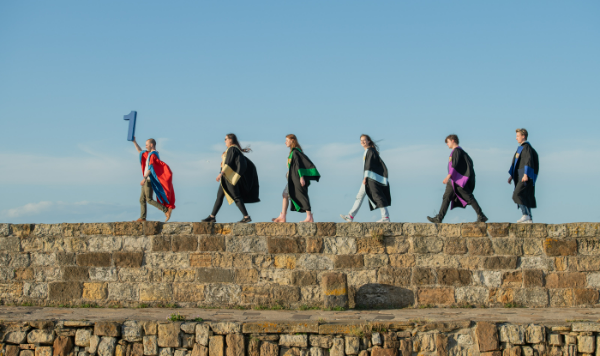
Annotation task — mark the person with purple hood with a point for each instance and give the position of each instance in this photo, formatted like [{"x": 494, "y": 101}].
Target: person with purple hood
[{"x": 460, "y": 183}]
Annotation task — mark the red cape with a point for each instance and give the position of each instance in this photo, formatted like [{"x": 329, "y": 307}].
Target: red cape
[{"x": 161, "y": 179}]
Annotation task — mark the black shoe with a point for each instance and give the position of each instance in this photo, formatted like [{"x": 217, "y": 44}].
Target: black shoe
[
  {"x": 482, "y": 218},
  {"x": 210, "y": 219},
  {"x": 246, "y": 220},
  {"x": 435, "y": 219}
]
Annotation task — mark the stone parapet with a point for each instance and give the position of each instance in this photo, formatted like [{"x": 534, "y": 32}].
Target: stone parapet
[{"x": 386, "y": 265}]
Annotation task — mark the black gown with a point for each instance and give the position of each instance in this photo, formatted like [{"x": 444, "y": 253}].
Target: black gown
[
  {"x": 525, "y": 161},
  {"x": 299, "y": 165},
  {"x": 377, "y": 186}
]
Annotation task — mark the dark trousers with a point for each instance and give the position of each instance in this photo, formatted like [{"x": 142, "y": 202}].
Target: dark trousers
[
  {"x": 450, "y": 195},
  {"x": 219, "y": 202}
]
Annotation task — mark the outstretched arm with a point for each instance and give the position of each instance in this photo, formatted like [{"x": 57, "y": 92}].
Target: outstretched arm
[{"x": 137, "y": 147}]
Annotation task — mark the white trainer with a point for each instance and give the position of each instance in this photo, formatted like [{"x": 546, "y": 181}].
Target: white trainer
[
  {"x": 525, "y": 219},
  {"x": 384, "y": 220},
  {"x": 347, "y": 218}
]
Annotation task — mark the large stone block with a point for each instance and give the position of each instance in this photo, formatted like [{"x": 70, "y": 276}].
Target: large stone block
[
  {"x": 128, "y": 259},
  {"x": 383, "y": 296},
  {"x": 566, "y": 280},
  {"x": 132, "y": 331},
  {"x": 314, "y": 262},
  {"x": 167, "y": 260},
  {"x": 340, "y": 245},
  {"x": 62, "y": 346},
  {"x": 124, "y": 291},
  {"x": 200, "y": 260},
  {"x": 161, "y": 243},
  {"x": 155, "y": 292},
  {"x": 556, "y": 247},
  {"x": 202, "y": 228},
  {"x": 473, "y": 230},
  {"x": 403, "y": 261},
  {"x": 480, "y": 246},
  {"x": 107, "y": 328},
  {"x": 129, "y": 229},
  {"x": 508, "y": 246},
  {"x": 94, "y": 259},
  {"x": 188, "y": 292},
  {"x": 275, "y": 229},
  {"x": 73, "y": 273},
  {"x": 285, "y": 245},
  {"x": 427, "y": 244},
  {"x": 293, "y": 340},
  {"x": 528, "y": 230},
  {"x": 584, "y": 296},
  {"x": 203, "y": 333},
  {"x": 583, "y": 229},
  {"x": 435, "y": 296},
  {"x": 500, "y": 262},
  {"x": 65, "y": 291},
  {"x": 182, "y": 243},
  {"x": 222, "y": 294},
  {"x": 533, "y": 278},
  {"x": 268, "y": 349},
  {"x": 212, "y": 243},
  {"x": 94, "y": 291},
  {"x": 5, "y": 230},
  {"x": 326, "y": 229},
  {"x": 216, "y": 346},
  {"x": 168, "y": 335},
  {"x": 394, "y": 276},
  {"x": 10, "y": 244},
  {"x": 423, "y": 276},
  {"x": 348, "y": 261},
  {"x": 215, "y": 275},
  {"x": 454, "y": 277},
  {"x": 41, "y": 336},
  {"x": 22, "y": 230},
  {"x": 420, "y": 230},
  {"x": 455, "y": 246},
  {"x": 44, "y": 351},
  {"x": 242, "y": 229},
  {"x": 246, "y": 244},
  {"x": 531, "y": 297},
  {"x": 235, "y": 345},
  {"x": 335, "y": 290},
  {"x": 487, "y": 336},
  {"x": 586, "y": 263},
  {"x": 150, "y": 345},
  {"x": 471, "y": 295},
  {"x": 35, "y": 290},
  {"x": 177, "y": 228}
]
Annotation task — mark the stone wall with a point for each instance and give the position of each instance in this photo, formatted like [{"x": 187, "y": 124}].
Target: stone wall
[
  {"x": 389, "y": 265},
  {"x": 151, "y": 338}
]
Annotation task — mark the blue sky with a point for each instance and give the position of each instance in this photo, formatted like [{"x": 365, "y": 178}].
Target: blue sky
[{"x": 408, "y": 73}]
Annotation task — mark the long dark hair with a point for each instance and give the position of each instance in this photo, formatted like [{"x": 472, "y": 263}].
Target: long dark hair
[
  {"x": 371, "y": 142},
  {"x": 295, "y": 143},
  {"x": 234, "y": 140}
]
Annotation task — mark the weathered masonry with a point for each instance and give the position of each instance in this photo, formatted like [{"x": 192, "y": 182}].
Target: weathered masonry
[
  {"x": 389, "y": 265},
  {"x": 151, "y": 338}
]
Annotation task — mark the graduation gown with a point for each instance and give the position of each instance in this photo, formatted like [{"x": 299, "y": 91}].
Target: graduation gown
[
  {"x": 241, "y": 178},
  {"x": 525, "y": 161},
  {"x": 377, "y": 186},
  {"x": 299, "y": 165},
  {"x": 161, "y": 178},
  {"x": 462, "y": 177}
]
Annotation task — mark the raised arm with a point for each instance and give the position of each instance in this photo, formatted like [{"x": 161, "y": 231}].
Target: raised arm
[{"x": 137, "y": 147}]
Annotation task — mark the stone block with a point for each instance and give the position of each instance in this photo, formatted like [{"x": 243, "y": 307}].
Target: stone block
[
  {"x": 35, "y": 290},
  {"x": 41, "y": 336},
  {"x": 281, "y": 327},
  {"x": 348, "y": 261},
  {"x": 396, "y": 245},
  {"x": 285, "y": 245},
  {"x": 531, "y": 297},
  {"x": 561, "y": 297},
  {"x": 132, "y": 331},
  {"x": 528, "y": 230},
  {"x": 167, "y": 260},
  {"x": 535, "y": 334},
  {"x": 378, "y": 351},
  {"x": 200, "y": 260},
  {"x": 498, "y": 229},
  {"x": 403, "y": 261},
  {"x": 449, "y": 230},
  {"x": 268, "y": 349},
  {"x": 585, "y": 296},
  {"x": 352, "y": 345},
  {"x": 314, "y": 245},
  {"x": 335, "y": 290},
  {"x": 533, "y": 247},
  {"x": 435, "y": 296},
  {"x": 128, "y": 259},
  {"x": 337, "y": 348},
  {"x": 94, "y": 291},
  {"x": 326, "y": 229},
  {"x": 473, "y": 230},
  {"x": 500, "y": 262},
  {"x": 235, "y": 345},
  {"x": 560, "y": 247},
  {"x": 94, "y": 259},
  {"x": 423, "y": 276},
  {"x": 508, "y": 246},
  {"x": 533, "y": 278},
  {"x": 566, "y": 280},
  {"x": 420, "y": 230},
  {"x": 5, "y": 230},
  {"x": 45, "y": 351},
  {"x": 512, "y": 279},
  {"x": 203, "y": 333},
  {"x": 293, "y": 340},
  {"x": 246, "y": 244},
  {"x": 123, "y": 291},
  {"x": 586, "y": 263},
  {"x": 216, "y": 346},
  {"x": 480, "y": 246},
  {"x": 586, "y": 344},
  {"x": 427, "y": 244},
  {"x": 150, "y": 292},
  {"x": 65, "y": 291},
  {"x": 314, "y": 262},
  {"x": 188, "y": 292},
  {"x": 129, "y": 228},
  {"x": 82, "y": 337},
  {"x": 322, "y": 341},
  {"x": 394, "y": 276},
  {"x": 339, "y": 245},
  {"x": 22, "y": 230},
  {"x": 107, "y": 328},
  {"x": 202, "y": 228},
  {"x": 242, "y": 229},
  {"x": 455, "y": 246},
  {"x": 376, "y": 260},
  {"x": 199, "y": 350},
  {"x": 454, "y": 277},
  {"x": 223, "y": 294},
  {"x": 181, "y": 275},
  {"x": 471, "y": 295},
  {"x": 177, "y": 228},
  {"x": 150, "y": 345},
  {"x": 370, "y": 245},
  {"x": 583, "y": 229},
  {"x": 15, "y": 337},
  {"x": 285, "y": 261},
  {"x": 182, "y": 243},
  {"x": 15, "y": 353},
  {"x": 10, "y": 244},
  {"x": 304, "y": 278},
  {"x": 62, "y": 346},
  {"x": 275, "y": 229},
  {"x": 107, "y": 346},
  {"x": 168, "y": 335},
  {"x": 161, "y": 243},
  {"x": 212, "y": 243},
  {"x": 74, "y": 273},
  {"x": 215, "y": 275}
]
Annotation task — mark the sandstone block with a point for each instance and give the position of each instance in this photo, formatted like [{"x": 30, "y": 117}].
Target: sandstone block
[
  {"x": 129, "y": 259},
  {"x": 150, "y": 345},
  {"x": 216, "y": 346},
  {"x": 314, "y": 262},
  {"x": 107, "y": 346},
  {"x": 94, "y": 259},
  {"x": 161, "y": 243},
  {"x": 352, "y": 346},
  {"x": 535, "y": 334},
  {"x": 512, "y": 279},
  {"x": 94, "y": 342},
  {"x": 188, "y": 292},
  {"x": 268, "y": 349},
  {"x": 498, "y": 229},
  {"x": 65, "y": 291},
  {"x": 304, "y": 278},
  {"x": 436, "y": 296},
  {"x": 427, "y": 244},
  {"x": 10, "y": 244},
  {"x": 212, "y": 243},
  {"x": 178, "y": 228},
  {"x": 203, "y": 333},
  {"x": 199, "y": 350},
  {"x": 22, "y": 230},
  {"x": 167, "y": 260},
  {"x": 514, "y": 334},
  {"x": 182, "y": 243},
  {"x": 132, "y": 331},
  {"x": 5, "y": 229},
  {"x": 62, "y": 346},
  {"x": 200, "y": 260},
  {"x": 155, "y": 292},
  {"x": 378, "y": 351},
  {"x": 533, "y": 247},
  {"x": 129, "y": 229},
  {"x": 566, "y": 280},
  {"x": 107, "y": 328},
  {"x": 22, "y": 353},
  {"x": 15, "y": 337},
  {"x": 73, "y": 273},
  {"x": 82, "y": 337},
  {"x": 339, "y": 245},
  {"x": 314, "y": 245},
  {"x": 322, "y": 341},
  {"x": 275, "y": 229},
  {"x": 215, "y": 275},
  {"x": 94, "y": 291},
  {"x": 586, "y": 263},
  {"x": 583, "y": 229},
  {"x": 285, "y": 245},
  {"x": 556, "y": 247},
  {"x": 241, "y": 229},
  {"x": 348, "y": 261},
  {"x": 293, "y": 340},
  {"x": 586, "y": 344},
  {"x": 123, "y": 291},
  {"x": 471, "y": 295},
  {"x": 337, "y": 348},
  {"x": 383, "y": 296},
  {"x": 222, "y": 294},
  {"x": 101, "y": 274},
  {"x": 168, "y": 335},
  {"x": 441, "y": 344},
  {"x": 164, "y": 351},
  {"x": 335, "y": 290},
  {"x": 376, "y": 260},
  {"x": 487, "y": 336},
  {"x": 454, "y": 277},
  {"x": 455, "y": 246},
  {"x": 225, "y": 327},
  {"x": 423, "y": 276},
  {"x": 235, "y": 345},
  {"x": 9, "y": 350},
  {"x": 500, "y": 262},
  {"x": 202, "y": 228},
  {"x": 473, "y": 230},
  {"x": 326, "y": 229},
  {"x": 402, "y": 261},
  {"x": 480, "y": 246},
  {"x": 528, "y": 230},
  {"x": 533, "y": 278},
  {"x": 246, "y": 244},
  {"x": 316, "y": 351},
  {"x": 45, "y": 351},
  {"x": 585, "y": 296},
  {"x": 508, "y": 246},
  {"x": 35, "y": 290}
]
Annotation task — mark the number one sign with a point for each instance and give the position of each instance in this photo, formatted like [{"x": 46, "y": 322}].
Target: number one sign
[{"x": 131, "y": 117}]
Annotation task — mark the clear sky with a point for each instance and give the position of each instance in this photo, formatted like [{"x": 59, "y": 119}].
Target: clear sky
[{"x": 406, "y": 72}]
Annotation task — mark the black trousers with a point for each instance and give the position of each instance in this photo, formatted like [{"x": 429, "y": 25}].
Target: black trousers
[
  {"x": 450, "y": 195},
  {"x": 221, "y": 196}
]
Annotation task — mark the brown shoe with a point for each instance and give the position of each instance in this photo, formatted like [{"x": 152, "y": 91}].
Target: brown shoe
[
  {"x": 168, "y": 214},
  {"x": 140, "y": 220}
]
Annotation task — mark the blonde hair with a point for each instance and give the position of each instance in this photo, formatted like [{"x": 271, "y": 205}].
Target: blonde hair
[{"x": 523, "y": 132}]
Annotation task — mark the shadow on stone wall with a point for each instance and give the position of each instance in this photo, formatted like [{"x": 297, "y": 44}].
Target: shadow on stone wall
[{"x": 375, "y": 295}]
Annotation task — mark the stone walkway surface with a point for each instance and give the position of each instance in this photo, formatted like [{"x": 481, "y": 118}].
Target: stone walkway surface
[{"x": 513, "y": 315}]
